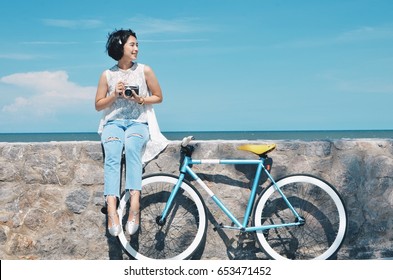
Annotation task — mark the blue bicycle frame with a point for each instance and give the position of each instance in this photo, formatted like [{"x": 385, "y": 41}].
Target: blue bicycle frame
[{"x": 186, "y": 169}]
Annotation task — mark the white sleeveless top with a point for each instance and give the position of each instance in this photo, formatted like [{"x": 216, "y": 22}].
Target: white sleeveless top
[{"x": 126, "y": 109}]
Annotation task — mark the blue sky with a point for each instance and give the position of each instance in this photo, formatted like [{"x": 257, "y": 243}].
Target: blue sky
[{"x": 223, "y": 65}]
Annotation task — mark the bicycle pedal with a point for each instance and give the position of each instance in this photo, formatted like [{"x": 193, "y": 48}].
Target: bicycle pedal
[
  {"x": 218, "y": 226},
  {"x": 246, "y": 240}
]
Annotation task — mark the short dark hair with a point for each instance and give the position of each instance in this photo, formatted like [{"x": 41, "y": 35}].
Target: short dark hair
[{"x": 116, "y": 41}]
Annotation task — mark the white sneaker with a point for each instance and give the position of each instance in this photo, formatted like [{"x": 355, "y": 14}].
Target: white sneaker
[
  {"x": 132, "y": 227},
  {"x": 114, "y": 230}
]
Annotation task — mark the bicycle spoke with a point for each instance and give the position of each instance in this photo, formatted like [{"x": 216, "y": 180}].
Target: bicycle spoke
[
  {"x": 182, "y": 232},
  {"x": 317, "y": 204}
]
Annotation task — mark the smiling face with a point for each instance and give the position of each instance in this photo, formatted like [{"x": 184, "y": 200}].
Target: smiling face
[
  {"x": 131, "y": 49},
  {"x": 122, "y": 44}
]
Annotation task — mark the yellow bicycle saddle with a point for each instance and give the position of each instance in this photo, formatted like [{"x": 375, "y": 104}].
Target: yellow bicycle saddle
[{"x": 258, "y": 149}]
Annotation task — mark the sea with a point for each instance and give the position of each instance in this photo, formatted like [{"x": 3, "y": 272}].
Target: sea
[{"x": 307, "y": 135}]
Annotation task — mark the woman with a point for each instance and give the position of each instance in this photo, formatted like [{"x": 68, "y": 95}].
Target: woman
[{"x": 128, "y": 123}]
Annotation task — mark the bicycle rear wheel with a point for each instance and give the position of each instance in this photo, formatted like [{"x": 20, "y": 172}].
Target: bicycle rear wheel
[
  {"x": 182, "y": 234},
  {"x": 318, "y": 203}
]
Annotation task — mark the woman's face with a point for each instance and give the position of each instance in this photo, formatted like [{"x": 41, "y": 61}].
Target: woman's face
[{"x": 131, "y": 49}]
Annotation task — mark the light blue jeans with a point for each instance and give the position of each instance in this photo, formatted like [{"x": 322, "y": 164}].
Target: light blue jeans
[{"x": 133, "y": 137}]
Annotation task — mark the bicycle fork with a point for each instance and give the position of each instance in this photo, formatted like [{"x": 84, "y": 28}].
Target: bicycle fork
[{"x": 162, "y": 219}]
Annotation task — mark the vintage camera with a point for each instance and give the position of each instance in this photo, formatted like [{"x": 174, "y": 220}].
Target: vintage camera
[{"x": 128, "y": 90}]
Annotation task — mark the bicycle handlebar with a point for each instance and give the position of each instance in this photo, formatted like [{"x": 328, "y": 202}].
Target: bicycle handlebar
[{"x": 186, "y": 141}]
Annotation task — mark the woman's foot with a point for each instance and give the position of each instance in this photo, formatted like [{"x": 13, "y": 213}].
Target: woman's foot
[
  {"x": 132, "y": 225},
  {"x": 114, "y": 226}
]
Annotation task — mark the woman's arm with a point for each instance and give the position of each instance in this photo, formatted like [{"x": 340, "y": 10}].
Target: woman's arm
[
  {"x": 154, "y": 87},
  {"x": 102, "y": 100}
]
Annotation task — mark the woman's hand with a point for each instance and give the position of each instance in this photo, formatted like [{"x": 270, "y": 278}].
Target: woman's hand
[
  {"x": 135, "y": 97},
  {"x": 138, "y": 99},
  {"x": 119, "y": 90}
]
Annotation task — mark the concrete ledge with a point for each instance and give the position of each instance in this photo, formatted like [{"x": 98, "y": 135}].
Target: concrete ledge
[{"x": 51, "y": 195}]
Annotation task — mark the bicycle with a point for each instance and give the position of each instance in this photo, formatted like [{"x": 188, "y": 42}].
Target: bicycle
[{"x": 296, "y": 217}]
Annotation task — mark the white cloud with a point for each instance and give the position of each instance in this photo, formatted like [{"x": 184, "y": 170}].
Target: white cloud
[
  {"x": 362, "y": 34},
  {"x": 20, "y": 102},
  {"x": 49, "y": 43},
  {"x": 148, "y": 25},
  {"x": 175, "y": 40},
  {"x": 365, "y": 33},
  {"x": 65, "y": 23},
  {"x": 366, "y": 85},
  {"x": 19, "y": 56},
  {"x": 42, "y": 94}
]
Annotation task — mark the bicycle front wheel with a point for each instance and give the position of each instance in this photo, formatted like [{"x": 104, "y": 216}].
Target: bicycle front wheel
[
  {"x": 183, "y": 232},
  {"x": 318, "y": 203}
]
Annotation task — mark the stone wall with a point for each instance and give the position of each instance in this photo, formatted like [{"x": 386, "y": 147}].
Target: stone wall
[{"x": 51, "y": 195}]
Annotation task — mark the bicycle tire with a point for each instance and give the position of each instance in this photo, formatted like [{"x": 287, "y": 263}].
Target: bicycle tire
[
  {"x": 184, "y": 233},
  {"x": 318, "y": 203}
]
